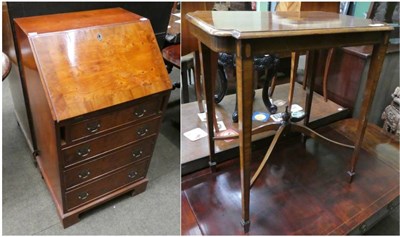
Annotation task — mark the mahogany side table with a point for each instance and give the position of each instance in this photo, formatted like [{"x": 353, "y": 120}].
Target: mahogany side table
[{"x": 254, "y": 33}]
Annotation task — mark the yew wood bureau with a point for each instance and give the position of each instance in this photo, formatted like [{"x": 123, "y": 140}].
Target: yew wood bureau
[{"x": 97, "y": 88}]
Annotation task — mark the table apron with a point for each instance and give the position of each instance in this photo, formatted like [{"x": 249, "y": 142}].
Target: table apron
[{"x": 289, "y": 43}]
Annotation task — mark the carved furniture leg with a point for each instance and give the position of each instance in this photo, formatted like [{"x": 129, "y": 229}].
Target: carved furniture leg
[
  {"x": 274, "y": 75},
  {"x": 273, "y": 84},
  {"x": 326, "y": 71},
  {"x": 235, "y": 117},
  {"x": 375, "y": 68},
  {"x": 267, "y": 96},
  {"x": 244, "y": 81},
  {"x": 222, "y": 88},
  {"x": 197, "y": 81},
  {"x": 208, "y": 59}
]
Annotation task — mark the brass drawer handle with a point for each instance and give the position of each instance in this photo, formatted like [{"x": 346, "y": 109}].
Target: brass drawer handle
[
  {"x": 137, "y": 153},
  {"x": 143, "y": 131},
  {"x": 140, "y": 114},
  {"x": 84, "y": 151},
  {"x": 83, "y": 196},
  {"x": 84, "y": 174},
  {"x": 132, "y": 174},
  {"x": 93, "y": 127}
]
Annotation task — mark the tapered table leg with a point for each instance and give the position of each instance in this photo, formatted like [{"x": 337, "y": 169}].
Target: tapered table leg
[
  {"x": 311, "y": 67},
  {"x": 208, "y": 58},
  {"x": 375, "y": 68},
  {"x": 244, "y": 80},
  {"x": 197, "y": 81},
  {"x": 293, "y": 73}
]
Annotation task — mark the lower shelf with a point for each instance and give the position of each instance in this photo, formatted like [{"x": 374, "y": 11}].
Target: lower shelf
[{"x": 194, "y": 155}]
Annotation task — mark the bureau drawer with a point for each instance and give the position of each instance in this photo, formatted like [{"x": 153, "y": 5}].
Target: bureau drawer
[
  {"x": 98, "y": 146},
  {"x": 106, "y": 184},
  {"x": 114, "y": 119},
  {"x": 103, "y": 165}
]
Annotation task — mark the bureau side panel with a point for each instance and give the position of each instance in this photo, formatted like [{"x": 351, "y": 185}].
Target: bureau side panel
[{"x": 43, "y": 123}]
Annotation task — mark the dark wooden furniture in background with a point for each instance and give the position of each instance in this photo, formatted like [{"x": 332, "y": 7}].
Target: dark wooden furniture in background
[
  {"x": 348, "y": 77},
  {"x": 97, "y": 88},
  {"x": 157, "y": 12},
  {"x": 324, "y": 7},
  {"x": 350, "y": 65},
  {"x": 246, "y": 35},
  {"x": 190, "y": 45},
  {"x": 172, "y": 54}
]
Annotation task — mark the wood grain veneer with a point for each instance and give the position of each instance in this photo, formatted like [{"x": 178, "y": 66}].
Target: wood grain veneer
[{"x": 104, "y": 72}]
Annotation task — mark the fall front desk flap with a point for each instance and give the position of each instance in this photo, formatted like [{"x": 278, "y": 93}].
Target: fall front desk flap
[{"x": 91, "y": 60}]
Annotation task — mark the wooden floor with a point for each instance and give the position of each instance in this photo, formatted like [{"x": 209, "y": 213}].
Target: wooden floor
[
  {"x": 194, "y": 154},
  {"x": 303, "y": 190}
]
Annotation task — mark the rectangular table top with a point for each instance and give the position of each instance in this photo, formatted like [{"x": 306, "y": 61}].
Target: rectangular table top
[{"x": 250, "y": 24}]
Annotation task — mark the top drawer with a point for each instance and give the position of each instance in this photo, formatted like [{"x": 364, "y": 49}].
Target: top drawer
[{"x": 102, "y": 123}]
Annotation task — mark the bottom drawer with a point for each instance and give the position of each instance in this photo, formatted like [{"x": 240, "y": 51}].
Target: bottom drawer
[{"x": 106, "y": 184}]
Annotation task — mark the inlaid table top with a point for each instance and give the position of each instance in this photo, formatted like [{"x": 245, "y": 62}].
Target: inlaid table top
[{"x": 250, "y": 24}]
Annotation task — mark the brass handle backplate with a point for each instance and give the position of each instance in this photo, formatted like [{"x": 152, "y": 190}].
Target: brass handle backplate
[
  {"x": 84, "y": 151},
  {"x": 84, "y": 174},
  {"x": 132, "y": 174},
  {"x": 93, "y": 127},
  {"x": 141, "y": 113},
  {"x": 143, "y": 131},
  {"x": 137, "y": 153},
  {"x": 83, "y": 196}
]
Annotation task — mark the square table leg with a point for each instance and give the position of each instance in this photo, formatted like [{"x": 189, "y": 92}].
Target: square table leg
[
  {"x": 311, "y": 68},
  {"x": 208, "y": 59},
  {"x": 244, "y": 81},
  {"x": 375, "y": 67}
]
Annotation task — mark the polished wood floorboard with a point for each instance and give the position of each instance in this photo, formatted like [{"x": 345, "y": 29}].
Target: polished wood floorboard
[{"x": 303, "y": 189}]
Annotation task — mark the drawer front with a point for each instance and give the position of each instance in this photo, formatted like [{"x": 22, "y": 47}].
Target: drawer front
[
  {"x": 111, "y": 120},
  {"x": 106, "y": 184},
  {"x": 103, "y": 165},
  {"x": 95, "y": 147}
]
